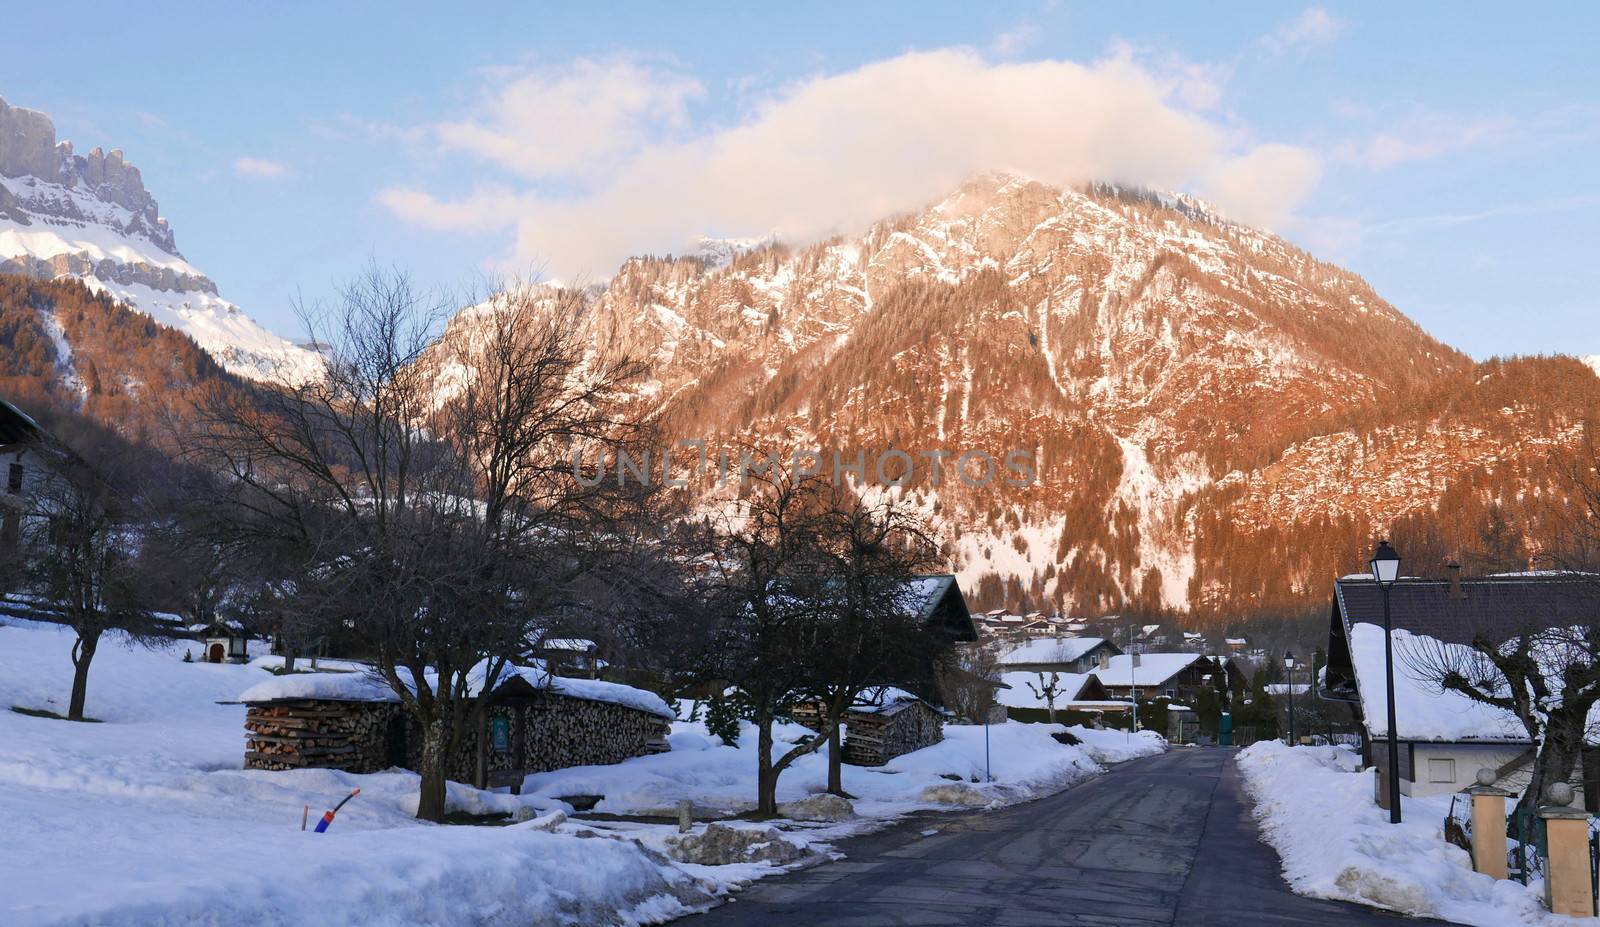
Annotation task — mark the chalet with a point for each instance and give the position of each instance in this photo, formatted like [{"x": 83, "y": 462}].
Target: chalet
[
  {"x": 28, "y": 458},
  {"x": 534, "y": 722},
  {"x": 1058, "y": 655},
  {"x": 570, "y": 656},
  {"x": 224, "y": 641},
  {"x": 1177, "y": 676},
  {"x": 937, "y": 600},
  {"x": 1444, "y": 738}
]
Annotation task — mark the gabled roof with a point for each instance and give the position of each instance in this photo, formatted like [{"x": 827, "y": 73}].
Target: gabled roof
[
  {"x": 1154, "y": 669},
  {"x": 1496, "y": 607},
  {"x": 938, "y": 597},
  {"x": 1048, "y": 650},
  {"x": 17, "y": 426}
]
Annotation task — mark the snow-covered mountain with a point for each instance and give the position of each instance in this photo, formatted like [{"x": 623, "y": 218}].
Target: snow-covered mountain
[
  {"x": 90, "y": 217},
  {"x": 1218, "y": 418},
  {"x": 1593, "y": 360}
]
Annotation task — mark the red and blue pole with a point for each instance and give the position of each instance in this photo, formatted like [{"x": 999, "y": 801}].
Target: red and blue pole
[{"x": 327, "y": 816}]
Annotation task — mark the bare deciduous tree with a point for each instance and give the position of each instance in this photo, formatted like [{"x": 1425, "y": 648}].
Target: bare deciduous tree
[
  {"x": 815, "y": 604},
  {"x": 1047, "y": 689},
  {"x": 427, "y": 487},
  {"x": 81, "y": 545}
]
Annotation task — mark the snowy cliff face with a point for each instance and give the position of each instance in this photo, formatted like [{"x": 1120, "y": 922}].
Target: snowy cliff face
[{"x": 90, "y": 217}]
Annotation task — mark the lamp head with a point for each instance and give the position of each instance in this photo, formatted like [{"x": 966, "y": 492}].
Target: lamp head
[{"x": 1385, "y": 564}]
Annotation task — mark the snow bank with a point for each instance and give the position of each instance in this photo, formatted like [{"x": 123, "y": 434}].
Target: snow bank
[
  {"x": 1316, "y": 809},
  {"x": 148, "y": 818}
]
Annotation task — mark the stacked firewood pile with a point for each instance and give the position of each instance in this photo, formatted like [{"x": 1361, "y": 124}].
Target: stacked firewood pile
[
  {"x": 876, "y": 737},
  {"x": 551, "y": 730},
  {"x": 557, "y": 731},
  {"x": 304, "y": 733}
]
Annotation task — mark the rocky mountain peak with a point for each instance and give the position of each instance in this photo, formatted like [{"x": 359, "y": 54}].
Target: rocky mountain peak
[
  {"x": 28, "y": 149},
  {"x": 89, "y": 216}
]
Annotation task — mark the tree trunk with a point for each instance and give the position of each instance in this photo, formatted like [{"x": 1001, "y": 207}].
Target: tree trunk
[
  {"x": 1563, "y": 739},
  {"x": 83, "y": 654},
  {"x": 766, "y": 776},
  {"x": 836, "y": 763},
  {"x": 430, "y": 801},
  {"x": 288, "y": 660}
]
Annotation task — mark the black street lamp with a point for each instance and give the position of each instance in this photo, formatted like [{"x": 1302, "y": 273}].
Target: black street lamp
[
  {"x": 1385, "y": 570},
  {"x": 1289, "y": 665}
]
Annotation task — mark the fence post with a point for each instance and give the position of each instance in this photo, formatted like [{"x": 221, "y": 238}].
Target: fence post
[
  {"x": 1488, "y": 826},
  {"x": 1568, "y": 881}
]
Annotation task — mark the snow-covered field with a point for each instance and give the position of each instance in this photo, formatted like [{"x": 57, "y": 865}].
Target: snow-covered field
[
  {"x": 1315, "y": 808},
  {"x": 148, "y": 816}
]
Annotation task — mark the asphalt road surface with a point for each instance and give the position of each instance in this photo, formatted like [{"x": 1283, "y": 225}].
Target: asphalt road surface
[{"x": 1162, "y": 840}]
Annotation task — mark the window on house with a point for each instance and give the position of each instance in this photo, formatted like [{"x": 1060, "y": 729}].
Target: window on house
[
  {"x": 14, "y": 479},
  {"x": 1170, "y": 693},
  {"x": 1441, "y": 770}
]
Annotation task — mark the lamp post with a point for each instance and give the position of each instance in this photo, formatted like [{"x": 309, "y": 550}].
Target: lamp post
[
  {"x": 1289, "y": 665},
  {"x": 1385, "y": 566}
]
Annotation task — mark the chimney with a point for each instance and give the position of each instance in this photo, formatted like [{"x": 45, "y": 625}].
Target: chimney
[{"x": 1456, "y": 592}]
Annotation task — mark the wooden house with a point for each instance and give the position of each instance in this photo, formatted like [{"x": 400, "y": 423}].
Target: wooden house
[
  {"x": 570, "y": 656},
  {"x": 1177, "y": 676}
]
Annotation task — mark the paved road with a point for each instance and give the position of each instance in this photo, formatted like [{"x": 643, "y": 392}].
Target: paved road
[{"x": 1165, "y": 840}]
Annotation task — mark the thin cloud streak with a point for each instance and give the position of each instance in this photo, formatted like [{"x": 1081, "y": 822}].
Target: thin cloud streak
[{"x": 1396, "y": 228}]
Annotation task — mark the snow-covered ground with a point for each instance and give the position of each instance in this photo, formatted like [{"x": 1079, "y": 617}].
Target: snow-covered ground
[
  {"x": 148, "y": 816},
  {"x": 1315, "y": 808}
]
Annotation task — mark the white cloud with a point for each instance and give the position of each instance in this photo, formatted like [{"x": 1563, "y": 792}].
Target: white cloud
[
  {"x": 1428, "y": 135},
  {"x": 1314, "y": 26},
  {"x": 836, "y": 152},
  {"x": 578, "y": 120},
  {"x": 1262, "y": 186},
  {"x": 259, "y": 167}
]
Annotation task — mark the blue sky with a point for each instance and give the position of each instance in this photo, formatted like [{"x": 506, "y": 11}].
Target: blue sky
[{"x": 1446, "y": 152}]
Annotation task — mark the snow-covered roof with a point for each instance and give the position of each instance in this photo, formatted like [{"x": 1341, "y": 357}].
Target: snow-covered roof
[
  {"x": 368, "y": 687},
  {"x": 1046, "y": 650},
  {"x": 889, "y": 699},
  {"x": 1422, "y": 710},
  {"x": 1153, "y": 669},
  {"x": 1282, "y": 688},
  {"x": 1068, "y": 687}
]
